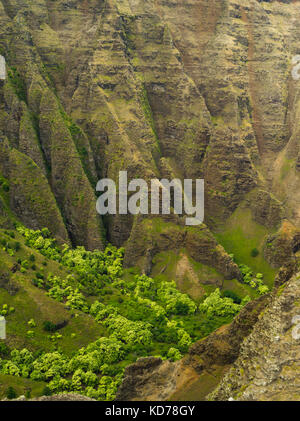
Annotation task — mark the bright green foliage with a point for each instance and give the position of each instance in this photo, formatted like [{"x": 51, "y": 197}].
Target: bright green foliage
[
  {"x": 245, "y": 300},
  {"x": 6, "y": 310},
  {"x": 175, "y": 302},
  {"x": 31, "y": 323},
  {"x": 140, "y": 317},
  {"x": 93, "y": 267},
  {"x": 63, "y": 291},
  {"x": 214, "y": 305},
  {"x": 130, "y": 332},
  {"x": 84, "y": 367},
  {"x": 256, "y": 282},
  {"x": 174, "y": 354},
  {"x": 262, "y": 289}
]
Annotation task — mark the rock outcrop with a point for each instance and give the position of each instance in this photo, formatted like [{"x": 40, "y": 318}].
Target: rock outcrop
[
  {"x": 268, "y": 367},
  {"x": 97, "y": 87}
]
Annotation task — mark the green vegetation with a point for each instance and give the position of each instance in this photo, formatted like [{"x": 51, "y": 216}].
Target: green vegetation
[
  {"x": 135, "y": 314},
  {"x": 17, "y": 83},
  {"x": 11, "y": 393},
  {"x": 214, "y": 305},
  {"x": 255, "y": 281},
  {"x": 254, "y": 252},
  {"x": 241, "y": 236},
  {"x": 195, "y": 280},
  {"x": 231, "y": 294}
]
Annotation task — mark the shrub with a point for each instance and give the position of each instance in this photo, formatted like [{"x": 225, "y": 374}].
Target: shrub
[
  {"x": 174, "y": 354},
  {"x": 254, "y": 252},
  {"x": 49, "y": 326},
  {"x": 4, "y": 350},
  {"x": 25, "y": 264},
  {"x": 11, "y": 393},
  {"x": 32, "y": 258},
  {"x": 31, "y": 323},
  {"x": 263, "y": 289},
  {"x": 46, "y": 391},
  {"x": 5, "y": 187},
  {"x": 52, "y": 327},
  {"x": 17, "y": 246},
  {"x": 215, "y": 305}
]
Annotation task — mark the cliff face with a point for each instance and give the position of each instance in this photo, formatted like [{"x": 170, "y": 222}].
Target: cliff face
[
  {"x": 164, "y": 88},
  {"x": 268, "y": 366},
  {"x": 95, "y": 87}
]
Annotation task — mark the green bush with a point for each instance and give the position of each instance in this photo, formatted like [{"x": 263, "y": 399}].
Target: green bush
[
  {"x": 11, "y": 393},
  {"x": 215, "y": 305},
  {"x": 5, "y": 186},
  {"x": 254, "y": 252},
  {"x": 4, "y": 350},
  {"x": 46, "y": 391},
  {"x": 49, "y": 326},
  {"x": 140, "y": 317},
  {"x": 17, "y": 246}
]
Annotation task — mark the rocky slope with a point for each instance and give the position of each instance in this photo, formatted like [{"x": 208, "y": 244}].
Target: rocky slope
[
  {"x": 164, "y": 88},
  {"x": 268, "y": 366},
  {"x": 95, "y": 87}
]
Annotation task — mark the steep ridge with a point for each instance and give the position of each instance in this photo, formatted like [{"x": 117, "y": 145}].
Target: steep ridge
[
  {"x": 268, "y": 365},
  {"x": 173, "y": 88},
  {"x": 97, "y": 87}
]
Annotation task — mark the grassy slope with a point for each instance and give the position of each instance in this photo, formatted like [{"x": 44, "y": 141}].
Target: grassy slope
[
  {"x": 20, "y": 385},
  {"x": 204, "y": 279},
  {"x": 33, "y": 303},
  {"x": 240, "y": 236}
]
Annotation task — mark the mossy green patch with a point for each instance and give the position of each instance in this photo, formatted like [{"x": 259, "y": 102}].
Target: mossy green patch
[
  {"x": 21, "y": 386},
  {"x": 33, "y": 303},
  {"x": 240, "y": 236},
  {"x": 192, "y": 278},
  {"x": 286, "y": 168},
  {"x": 242, "y": 290}
]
